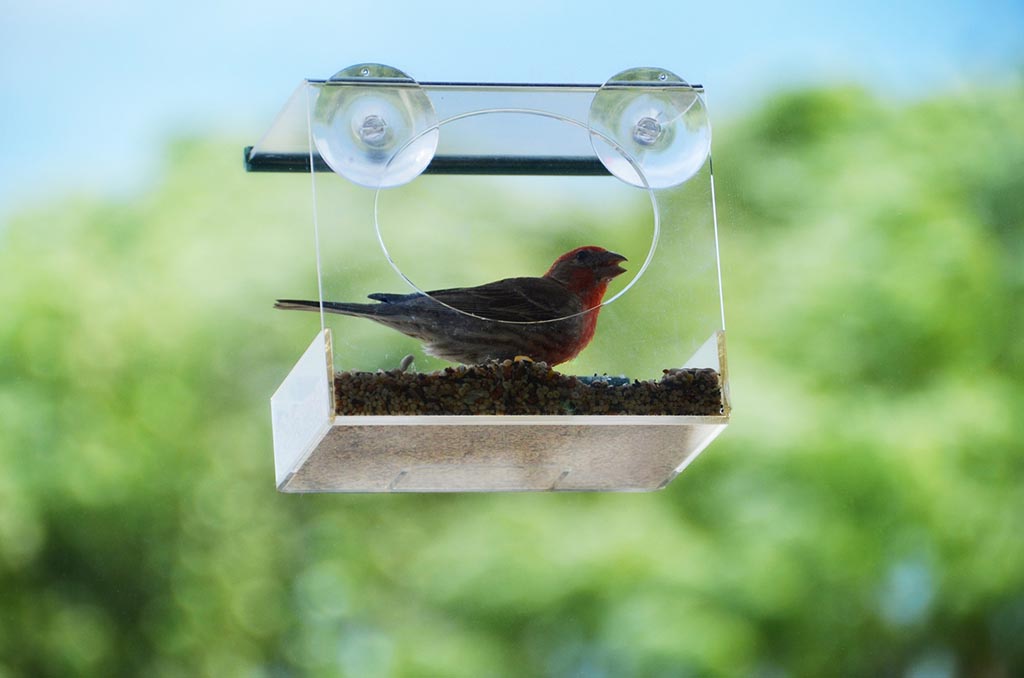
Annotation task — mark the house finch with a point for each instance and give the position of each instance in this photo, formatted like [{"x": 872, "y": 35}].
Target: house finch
[{"x": 568, "y": 296}]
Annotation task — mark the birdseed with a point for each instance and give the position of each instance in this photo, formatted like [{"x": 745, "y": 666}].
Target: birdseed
[{"x": 522, "y": 388}]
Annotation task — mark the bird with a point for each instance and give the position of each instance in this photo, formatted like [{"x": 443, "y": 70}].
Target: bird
[{"x": 547, "y": 319}]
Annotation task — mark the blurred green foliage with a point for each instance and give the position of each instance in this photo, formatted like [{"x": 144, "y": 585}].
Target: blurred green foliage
[{"x": 862, "y": 515}]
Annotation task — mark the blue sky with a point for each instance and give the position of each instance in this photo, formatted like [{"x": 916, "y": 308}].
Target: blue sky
[{"x": 91, "y": 89}]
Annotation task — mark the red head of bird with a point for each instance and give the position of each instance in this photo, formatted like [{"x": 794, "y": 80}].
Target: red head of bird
[{"x": 587, "y": 271}]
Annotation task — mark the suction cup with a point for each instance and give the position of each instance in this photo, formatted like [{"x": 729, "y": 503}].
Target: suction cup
[
  {"x": 656, "y": 119},
  {"x": 374, "y": 125}
]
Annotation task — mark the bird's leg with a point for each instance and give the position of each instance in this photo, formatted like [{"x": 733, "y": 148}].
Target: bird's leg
[
  {"x": 406, "y": 362},
  {"x": 522, "y": 359}
]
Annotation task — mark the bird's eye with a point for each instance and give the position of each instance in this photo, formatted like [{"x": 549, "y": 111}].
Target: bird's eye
[{"x": 582, "y": 255}]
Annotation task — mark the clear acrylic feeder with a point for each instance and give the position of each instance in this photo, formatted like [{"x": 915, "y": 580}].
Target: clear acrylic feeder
[{"x": 420, "y": 188}]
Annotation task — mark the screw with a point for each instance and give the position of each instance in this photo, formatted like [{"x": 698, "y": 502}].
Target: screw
[
  {"x": 373, "y": 131},
  {"x": 646, "y": 131}
]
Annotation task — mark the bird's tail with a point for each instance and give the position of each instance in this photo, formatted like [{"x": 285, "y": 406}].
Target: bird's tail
[{"x": 329, "y": 307}]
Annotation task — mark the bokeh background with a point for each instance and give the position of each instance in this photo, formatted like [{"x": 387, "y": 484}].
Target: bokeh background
[{"x": 861, "y": 516}]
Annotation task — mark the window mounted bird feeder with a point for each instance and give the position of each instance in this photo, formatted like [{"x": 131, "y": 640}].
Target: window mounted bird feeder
[{"x": 518, "y": 286}]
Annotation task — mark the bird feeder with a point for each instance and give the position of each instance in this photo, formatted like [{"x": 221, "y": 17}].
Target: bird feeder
[{"x": 426, "y": 186}]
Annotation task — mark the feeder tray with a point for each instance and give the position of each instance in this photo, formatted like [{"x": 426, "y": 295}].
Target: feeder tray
[{"x": 659, "y": 391}]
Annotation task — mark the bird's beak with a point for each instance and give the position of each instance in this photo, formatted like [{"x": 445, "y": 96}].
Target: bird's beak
[{"x": 610, "y": 267}]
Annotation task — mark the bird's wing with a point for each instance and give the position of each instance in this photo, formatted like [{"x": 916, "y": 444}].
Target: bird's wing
[{"x": 513, "y": 299}]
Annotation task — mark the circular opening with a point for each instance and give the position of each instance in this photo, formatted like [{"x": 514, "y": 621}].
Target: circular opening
[{"x": 656, "y": 226}]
